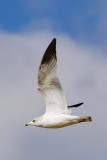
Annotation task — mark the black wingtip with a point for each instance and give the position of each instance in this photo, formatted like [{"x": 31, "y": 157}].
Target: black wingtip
[
  {"x": 54, "y": 39},
  {"x": 76, "y": 105},
  {"x": 53, "y": 43},
  {"x": 50, "y": 52}
]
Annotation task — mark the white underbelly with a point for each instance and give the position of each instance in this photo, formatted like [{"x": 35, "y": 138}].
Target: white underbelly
[{"x": 57, "y": 121}]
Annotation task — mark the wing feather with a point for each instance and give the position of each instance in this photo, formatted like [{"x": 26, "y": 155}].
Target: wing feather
[{"x": 48, "y": 82}]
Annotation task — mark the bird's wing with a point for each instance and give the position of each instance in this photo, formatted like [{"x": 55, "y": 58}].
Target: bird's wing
[{"x": 48, "y": 83}]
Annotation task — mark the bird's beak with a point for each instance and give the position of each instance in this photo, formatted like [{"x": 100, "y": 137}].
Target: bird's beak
[{"x": 27, "y": 124}]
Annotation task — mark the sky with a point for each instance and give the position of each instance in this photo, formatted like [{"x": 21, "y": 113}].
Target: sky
[{"x": 26, "y": 29}]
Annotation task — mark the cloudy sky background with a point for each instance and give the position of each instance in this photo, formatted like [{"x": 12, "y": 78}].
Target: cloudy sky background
[{"x": 26, "y": 29}]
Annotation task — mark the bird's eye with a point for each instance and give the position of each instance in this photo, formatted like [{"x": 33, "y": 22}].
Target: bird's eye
[{"x": 33, "y": 120}]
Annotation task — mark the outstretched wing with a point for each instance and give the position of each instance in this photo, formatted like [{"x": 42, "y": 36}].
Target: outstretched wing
[{"x": 48, "y": 83}]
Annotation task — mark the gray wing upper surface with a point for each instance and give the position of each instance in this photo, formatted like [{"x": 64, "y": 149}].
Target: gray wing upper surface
[{"x": 48, "y": 82}]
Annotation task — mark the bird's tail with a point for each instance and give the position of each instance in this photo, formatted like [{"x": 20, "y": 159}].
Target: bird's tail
[{"x": 85, "y": 119}]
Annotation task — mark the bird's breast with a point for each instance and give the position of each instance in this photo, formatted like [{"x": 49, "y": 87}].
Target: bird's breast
[{"x": 55, "y": 121}]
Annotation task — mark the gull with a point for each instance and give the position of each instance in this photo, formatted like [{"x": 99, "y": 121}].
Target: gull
[{"x": 57, "y": 114}]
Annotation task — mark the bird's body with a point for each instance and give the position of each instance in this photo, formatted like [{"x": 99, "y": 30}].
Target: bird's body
[
  {"x": 57, "y": 113},
  {"x": 58, "y": 120}
]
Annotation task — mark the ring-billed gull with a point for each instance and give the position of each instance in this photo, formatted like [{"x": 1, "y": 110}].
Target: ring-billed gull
[{"x": 57, "y": 114}]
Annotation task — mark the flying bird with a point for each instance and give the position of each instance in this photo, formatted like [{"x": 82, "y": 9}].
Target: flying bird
[{"x": 57, "y": 114}]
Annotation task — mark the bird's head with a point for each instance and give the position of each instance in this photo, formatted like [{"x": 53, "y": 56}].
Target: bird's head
[{"x": 34, "y": 122}]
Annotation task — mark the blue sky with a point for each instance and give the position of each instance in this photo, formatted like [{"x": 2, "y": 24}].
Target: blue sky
[
  {"x": 84, "y": 21},
  {"x": 26, "y": 29}
]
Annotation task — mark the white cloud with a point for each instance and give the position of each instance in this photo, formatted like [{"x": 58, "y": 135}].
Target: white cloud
[{"x": 82, "y": 72}]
